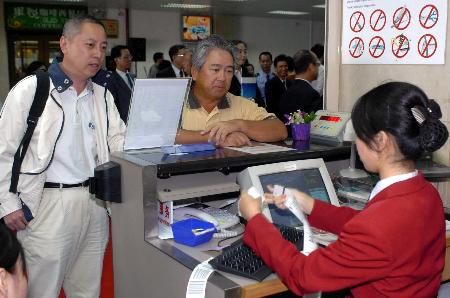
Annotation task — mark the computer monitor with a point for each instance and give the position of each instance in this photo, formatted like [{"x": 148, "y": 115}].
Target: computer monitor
[{"x": 310, "y": 176}]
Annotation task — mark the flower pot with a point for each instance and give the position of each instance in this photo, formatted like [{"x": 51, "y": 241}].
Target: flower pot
[
  {"x": 300, "y": 145},
  {"x": 301, "y": 131}
]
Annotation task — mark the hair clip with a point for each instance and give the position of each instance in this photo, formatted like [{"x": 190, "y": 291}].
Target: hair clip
[{"x": 418, "y": 115}]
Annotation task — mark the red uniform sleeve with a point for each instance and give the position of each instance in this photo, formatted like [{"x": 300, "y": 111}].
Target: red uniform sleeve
[
  {"x": 357, "y": 257},
  {"x": 330, "y": 218}
]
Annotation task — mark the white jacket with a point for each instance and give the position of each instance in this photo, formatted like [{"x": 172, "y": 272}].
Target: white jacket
[{"x": 109, "y": 130}]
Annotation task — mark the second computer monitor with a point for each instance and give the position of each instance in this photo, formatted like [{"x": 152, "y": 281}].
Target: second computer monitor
[{"x": 310, "y": 176}]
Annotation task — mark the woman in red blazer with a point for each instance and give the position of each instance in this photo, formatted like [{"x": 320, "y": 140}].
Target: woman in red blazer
[{"x": 395, "y": 246}]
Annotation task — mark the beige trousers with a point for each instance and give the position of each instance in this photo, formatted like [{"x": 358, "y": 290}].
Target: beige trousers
[{"x": 64, "y": 244}]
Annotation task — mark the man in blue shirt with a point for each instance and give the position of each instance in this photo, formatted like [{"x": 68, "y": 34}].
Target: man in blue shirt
[{"x": 265, "y": 74}]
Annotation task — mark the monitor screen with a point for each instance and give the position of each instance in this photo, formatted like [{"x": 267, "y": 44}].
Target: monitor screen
[
  {"x": 309, "y": 175},
  {"x": 307, "y": 180}
]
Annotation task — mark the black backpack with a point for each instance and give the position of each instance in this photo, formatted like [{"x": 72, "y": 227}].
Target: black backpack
[{"x": 37, "y": 107}]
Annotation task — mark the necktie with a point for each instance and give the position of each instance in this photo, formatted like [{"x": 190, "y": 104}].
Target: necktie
[
  {"x": 284, "y": 83},
  {"x": 181, "y": 74},
  {"x": 130, "y": 80},
  {"x": 268, "y": 77}
]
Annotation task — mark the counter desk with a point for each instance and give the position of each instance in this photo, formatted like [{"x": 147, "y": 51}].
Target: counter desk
[{"x": 146, "y": 266}]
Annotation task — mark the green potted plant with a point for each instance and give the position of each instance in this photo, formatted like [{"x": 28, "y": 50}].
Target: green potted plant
[{"x": 300, "y": 123}]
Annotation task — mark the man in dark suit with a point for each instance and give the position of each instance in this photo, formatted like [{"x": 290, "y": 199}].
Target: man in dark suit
[
  {"x": 277, "y": 86},
  {"x": 176, "y": 69},
  {"x": 119, "y": 81},
  {"x": 301, "y": 95}
]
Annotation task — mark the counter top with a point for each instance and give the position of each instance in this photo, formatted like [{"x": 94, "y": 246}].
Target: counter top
[{"x": 228, "y": 160}]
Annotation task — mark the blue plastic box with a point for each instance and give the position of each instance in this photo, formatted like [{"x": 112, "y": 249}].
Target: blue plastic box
[{"x": 192, "y": 231}]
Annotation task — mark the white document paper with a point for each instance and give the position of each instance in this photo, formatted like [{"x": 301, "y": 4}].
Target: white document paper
[
  {"x": 394, "y": 32},
  {"x": 198, "y": 279},
  {"x": 155, "y": 112}
]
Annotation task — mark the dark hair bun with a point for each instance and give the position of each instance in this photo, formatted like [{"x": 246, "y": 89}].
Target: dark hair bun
[
  {"x": 433, "y": 133},
  {"x": 434, "y": 109}
]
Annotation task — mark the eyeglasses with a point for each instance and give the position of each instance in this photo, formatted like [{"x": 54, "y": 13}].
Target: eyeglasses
[{"x": 127, "y": 57}]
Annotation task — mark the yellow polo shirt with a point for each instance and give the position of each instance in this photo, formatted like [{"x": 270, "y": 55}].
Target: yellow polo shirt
[{"x": 195, "y": 117}]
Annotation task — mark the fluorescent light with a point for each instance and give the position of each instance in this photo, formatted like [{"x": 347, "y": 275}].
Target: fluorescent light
[
  {"x": 288, "y": 12},
  {"x": 185, "y": 6},
  {"x": 319, "y": 6},
  {"x": 70, "y": 0}
]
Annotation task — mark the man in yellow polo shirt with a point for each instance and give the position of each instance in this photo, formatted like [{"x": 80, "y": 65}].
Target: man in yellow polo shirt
[{"x": 213, "y": 114}]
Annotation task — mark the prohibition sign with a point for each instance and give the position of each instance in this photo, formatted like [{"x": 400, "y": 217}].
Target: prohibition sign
[
  {"x": 427, "y": 45},
  {"x": 401, "y": 18},
  {"x": 376, "y": 47},
  {"x": 377, "y": 20},
  {"x": 357, "y": 21},
  {"x": 356, "y": 47},
  {"x": 400, "y": 46},
  {"x": 428, "y": 16}
]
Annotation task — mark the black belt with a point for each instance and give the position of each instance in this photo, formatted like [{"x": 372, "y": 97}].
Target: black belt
[{"x": 63, "y": 185}]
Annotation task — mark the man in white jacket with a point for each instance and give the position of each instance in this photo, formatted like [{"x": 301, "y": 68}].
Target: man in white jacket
[{"x": 65, "y": 241}]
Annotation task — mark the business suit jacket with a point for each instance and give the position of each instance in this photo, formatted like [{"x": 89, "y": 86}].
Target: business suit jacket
[
  {"x": 274, "y": 90},
  {"x": 394, "y": 247},
  {"x": 166, "y": 73},
  {"x": 300, "y": 96},
  {"x": 121, "y": 93}
]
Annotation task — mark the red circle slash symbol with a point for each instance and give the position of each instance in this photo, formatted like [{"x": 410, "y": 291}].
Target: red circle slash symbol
[
  {"x": 427, "y": 45},
  {"x": 377, "y": 20},
  {"x": 357, "y": 21},
  {"x": 356, "y": 47},
  {"x": 376, "y": 47},
  {"x": 428, "y": 16},
  {"x": 400, "y": 46},
  {"x": 401, "y": 18}
]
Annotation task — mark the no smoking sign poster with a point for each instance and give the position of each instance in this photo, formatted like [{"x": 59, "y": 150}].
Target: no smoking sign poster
[{"x": 393, "y": 32}]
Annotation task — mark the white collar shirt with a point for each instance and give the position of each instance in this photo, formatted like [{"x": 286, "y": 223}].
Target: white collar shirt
[
  {"x": 176, "y": 70},
  {"x": 75, "y": 154},
  {"x": 385, "y": 183}
]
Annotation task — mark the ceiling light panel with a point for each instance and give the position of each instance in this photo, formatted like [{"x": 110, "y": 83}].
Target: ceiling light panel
[
  {"x": 185, "y": 6},
  {"x": 288, "y": 12}
]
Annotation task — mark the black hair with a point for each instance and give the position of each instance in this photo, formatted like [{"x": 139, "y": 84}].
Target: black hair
[
  {"x": 174, "y": 50},
  {"x": 73, "y": 25},
  {"x": 404, "y": 111},
  {"x": 302, "y": 59},
  {"x": 281, "y": 57},
  {"x": 290, "y": 62},
  {"x": 116, "y": 52},
  {"x": 235, "y": 42},
  {"x": 164, "y": 64},
  {"x": 265, "y": 53},
  {"x": 157, "y": 56},
  {"x": 318, "y": 49},
  {"x": 33, "y": 66},
  {"x": 10, "y": 250}
]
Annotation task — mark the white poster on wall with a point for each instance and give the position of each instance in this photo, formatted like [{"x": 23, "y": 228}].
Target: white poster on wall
[{"x": 394, "y": 32}]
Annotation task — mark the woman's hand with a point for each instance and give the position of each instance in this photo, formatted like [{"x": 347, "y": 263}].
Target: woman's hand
[
  {"x": 249, "y": 206},
  {"x": 305, "y": 202}
]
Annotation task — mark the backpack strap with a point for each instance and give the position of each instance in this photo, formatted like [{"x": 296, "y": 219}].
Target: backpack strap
[{"x": 37, "y": 107}]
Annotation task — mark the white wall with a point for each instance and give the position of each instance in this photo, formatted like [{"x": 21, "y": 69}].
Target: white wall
[{"x": 345, "y": 86}]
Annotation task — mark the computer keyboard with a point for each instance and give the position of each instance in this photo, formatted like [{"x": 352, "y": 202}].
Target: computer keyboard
[{"x": 239, "y": 259}]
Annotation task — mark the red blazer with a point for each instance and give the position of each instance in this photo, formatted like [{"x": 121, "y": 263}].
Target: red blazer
[{"x": 393, "y": 248}]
